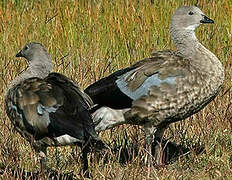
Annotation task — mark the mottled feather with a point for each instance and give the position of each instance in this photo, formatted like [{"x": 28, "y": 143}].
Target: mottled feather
[
  {"x": 167, "y": 87},
  {"x": 48, "y": 109},
  {"x": 52, "y": 106}
]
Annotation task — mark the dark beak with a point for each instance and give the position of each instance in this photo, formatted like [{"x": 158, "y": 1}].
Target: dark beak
[
  {"x": 19, "y": 54},
  {"x": 206, "y": 20}
]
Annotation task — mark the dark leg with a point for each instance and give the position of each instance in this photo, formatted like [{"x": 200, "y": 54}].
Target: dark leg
[
  {"x": 158, "y": 150},
  {"x": 149, "y": 131},
  {"x": 153, "y": 134},
  {"x": 84, "y": 159},
  {"x": 57, "y": 157}
]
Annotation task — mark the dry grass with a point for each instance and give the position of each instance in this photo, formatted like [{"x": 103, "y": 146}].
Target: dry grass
[{"x": 91, "y": 39}]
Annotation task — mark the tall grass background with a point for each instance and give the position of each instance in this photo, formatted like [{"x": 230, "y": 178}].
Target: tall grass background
[{"x": 91, "y": 39}]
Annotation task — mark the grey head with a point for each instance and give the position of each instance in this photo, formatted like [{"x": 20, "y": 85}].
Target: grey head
[
  {"x": 39, "y": 62},
  {"x": 35, "y": 53},
  {"x": 182, "y": 28},
  {"x": 189, "y": 18}
]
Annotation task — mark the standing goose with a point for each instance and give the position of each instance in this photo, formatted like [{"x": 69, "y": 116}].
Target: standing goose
[
  {"x": 167, "y": 87},
  {"x": 48, "y": 109}
]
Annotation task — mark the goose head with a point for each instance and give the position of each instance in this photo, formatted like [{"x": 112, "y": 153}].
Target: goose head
[
  {"x": 38, "y": 59},
  {"x": 189, "y": 18},
  {"x": 35, "y": 53}
]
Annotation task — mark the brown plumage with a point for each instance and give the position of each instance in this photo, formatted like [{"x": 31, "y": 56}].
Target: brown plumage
[
  {"x": 167, "y": 87},
  {"x": 48, "y": 109}
]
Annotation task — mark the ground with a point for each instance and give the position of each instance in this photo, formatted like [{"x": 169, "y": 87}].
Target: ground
[{"x": 91, "y": 39}]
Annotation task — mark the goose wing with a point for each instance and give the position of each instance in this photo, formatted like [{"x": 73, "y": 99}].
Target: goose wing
[
  {"x": 121, "y": 88},
  {"x": 50, "y": 107}
]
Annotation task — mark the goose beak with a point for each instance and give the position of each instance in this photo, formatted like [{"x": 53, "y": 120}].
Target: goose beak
[
  {"x": 19, "y": 54},
  {"x": 206, "y": 20}
]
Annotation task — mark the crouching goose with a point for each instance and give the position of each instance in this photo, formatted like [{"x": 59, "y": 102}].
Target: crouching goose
[
  {"x": 48, "y": 109},
  {"x": 167, "y": 87}
]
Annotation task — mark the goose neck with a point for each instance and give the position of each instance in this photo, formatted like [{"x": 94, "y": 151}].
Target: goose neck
[
  {"x": 34, "y": 70},
  {"x": 185, "y": 41}
]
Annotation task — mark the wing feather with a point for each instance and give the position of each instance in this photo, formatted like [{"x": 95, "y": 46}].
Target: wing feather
[
  {"x": 121, "y": 88},
  {"x": 50, "y": 107}
]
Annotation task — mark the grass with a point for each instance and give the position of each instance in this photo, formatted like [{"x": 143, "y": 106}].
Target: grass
[{"x": 91, "y": 39}]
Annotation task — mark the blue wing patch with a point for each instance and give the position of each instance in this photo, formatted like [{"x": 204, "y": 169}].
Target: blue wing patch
[{"x": 144, "y": 88}]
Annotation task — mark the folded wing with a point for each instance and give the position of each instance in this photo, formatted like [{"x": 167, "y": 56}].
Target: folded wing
[
  {"x": 123, "y": 87},
  {"x": 50, "y": 107}
]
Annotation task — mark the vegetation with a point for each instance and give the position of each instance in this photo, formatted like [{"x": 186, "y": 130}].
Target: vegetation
[{"x": 91, "y": 39}]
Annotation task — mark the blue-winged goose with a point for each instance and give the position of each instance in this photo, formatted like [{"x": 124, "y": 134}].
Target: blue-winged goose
[
  {"x": 48, "y": 109},
  {"x": 167, "y": 87}
]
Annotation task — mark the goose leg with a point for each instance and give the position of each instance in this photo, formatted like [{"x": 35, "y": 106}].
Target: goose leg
[
  {"x": 84, "y": 159},
  {"x": 158, "y": 150},
  {"x": 43, "y": 159},
  {"x": 149, "y": 131}
]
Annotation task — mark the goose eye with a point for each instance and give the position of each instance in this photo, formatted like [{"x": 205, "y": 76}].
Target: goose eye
[
  {"x": 190, "y": 13},
  {"x": 26, "y": 48}
]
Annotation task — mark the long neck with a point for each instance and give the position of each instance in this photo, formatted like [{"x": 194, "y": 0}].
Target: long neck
[
  {"x": 185, "y": 41},
  {"x": 190, "y": 48}
]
